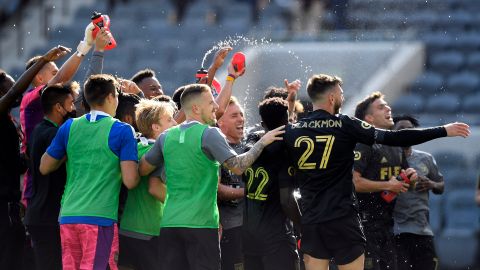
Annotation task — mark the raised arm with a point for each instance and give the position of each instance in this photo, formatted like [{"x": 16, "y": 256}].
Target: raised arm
[
  {"x": 409, "y": 137},
  {"x": 238, "y": 164},
  {"x": 157, "y": 188},
  {"x": 224, "y": 97},
  {"x": 292, "y": 89},
  {"x": 7, "y": 101},
  {"x": 70, "y": 67}
]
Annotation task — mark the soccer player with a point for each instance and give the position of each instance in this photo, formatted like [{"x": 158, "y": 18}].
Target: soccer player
[
  {"x": 101, "y": 153},
  {"x": 41, "y": 217},
  {"x": 140, "y": 223},
  {"x": 148, "y": 83},
  {"x": 12, "y": 164},
  {"x": 321, "y": 149},
  {"x": 231, "y": 189},
  {"x": 31, "y": 112},
  {"x": 191, "y": 154},
  {"x": 413, "y": 234},
  {"x": 267, "y": 243},
  {"x": 375, "y": 170}
]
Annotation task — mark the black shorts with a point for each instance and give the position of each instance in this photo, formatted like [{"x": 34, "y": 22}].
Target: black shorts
[
  {"x": 231, "y": 249},
  {"x": 416, "y": 252},
  {"x": 285, "y": 258},
  {"x": 380, "y": 251},
  {"x": 139, "y": 254},
  {"x": 340, "y": 239},
  {"x": 190, "y": 248}
]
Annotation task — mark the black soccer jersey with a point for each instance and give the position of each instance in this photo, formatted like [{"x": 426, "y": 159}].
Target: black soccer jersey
[
  {"x": 264, "y": 222},
  {"x": 378, "y": 163},
  {"x": 320, "y": 147}
]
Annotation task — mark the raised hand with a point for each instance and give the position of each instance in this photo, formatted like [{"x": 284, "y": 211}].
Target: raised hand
[
  {"x": 219, "y": 57},
  {"x": 102, "y": 40},
  {"x": 56, "y": 53},
  {"x": 273, "y": 135},
  {"x": 457, "y": 129},
  {"x": 231, "y": 70},
  {"x": 292, "y": 89}
]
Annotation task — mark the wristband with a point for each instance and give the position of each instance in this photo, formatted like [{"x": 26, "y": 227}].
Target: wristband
[
  {"x": 83, "y": 48},
  {"x": 231, "y": 77}
]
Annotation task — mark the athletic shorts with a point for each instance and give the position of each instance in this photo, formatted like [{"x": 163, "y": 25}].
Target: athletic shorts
[
  {"x": 340, "y": 239},
  {"x": 190, "y": 248},
  {"x": 140, "y": 254},
  {"x": 87, "y": 246},
  {"x": 416, "y": 252},
  {"x": 285, "y": 258}
]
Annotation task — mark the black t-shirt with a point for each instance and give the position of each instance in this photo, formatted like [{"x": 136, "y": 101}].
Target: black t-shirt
[
  {"x": 320, "y": 147},
  {"x": 377, "y": 163},
  {"x": 11, "y": 164},
  {"x": 264, "y": 222},
  {"x": 47, "y": 190}
]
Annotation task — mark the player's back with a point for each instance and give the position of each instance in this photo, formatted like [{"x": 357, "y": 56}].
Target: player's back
[
  {"x": 264, "y": 220},
  {"x": 321, "y": 150}
]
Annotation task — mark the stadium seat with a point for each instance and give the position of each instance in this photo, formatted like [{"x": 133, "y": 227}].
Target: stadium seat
[
  {"x": 411, "y": 104},
  {"x": 461, "y": 213},
  {"x": 436, "y": 212},
  {"x": 471, "y": 103},
  {"x": 428, "y": 83},
  {"x": 444, "y": 103},
  {"x": 463, "y": 83},
  {"x": 447, "y": 160},
  {"x": 446, "y": 62},
  {"x": 458, "y": 178},
  {"x": 467, "y": 42},
  {"x": 473, "y": 62},
  {"x": 438, "y": 41}
]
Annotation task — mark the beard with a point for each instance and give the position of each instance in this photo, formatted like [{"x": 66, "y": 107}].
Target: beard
[{"x": 337, "y": 106}]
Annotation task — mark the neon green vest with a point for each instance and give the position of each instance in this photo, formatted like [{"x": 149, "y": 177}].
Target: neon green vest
[
  {"x": 143, "y": 212},
  {"x": 192, "y": 180},
  {"x": 93, "y": 171}
]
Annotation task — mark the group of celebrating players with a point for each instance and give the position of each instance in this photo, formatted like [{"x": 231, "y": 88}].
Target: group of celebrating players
[{"x": 120, "y": 175}]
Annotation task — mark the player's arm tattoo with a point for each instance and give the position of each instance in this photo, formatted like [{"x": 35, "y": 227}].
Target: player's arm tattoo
[{"x": 238, "y": 164}]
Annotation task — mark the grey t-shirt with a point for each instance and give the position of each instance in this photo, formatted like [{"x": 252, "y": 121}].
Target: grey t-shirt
[
  {"x": 214, "y": 146},
  {"x": 411, "y": 209},
  {"x": 231, "y": 212}
]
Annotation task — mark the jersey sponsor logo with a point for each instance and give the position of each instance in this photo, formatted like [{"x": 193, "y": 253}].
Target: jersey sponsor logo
[
  {"x": 291, "y": 171},
  {"x": 357, "y": 155},
  {"x": 327, "y": 123},
  {"x": 366, "y": 125},
  {"x": 387, "y": 172},
  {"x": 384, "y": 160}
]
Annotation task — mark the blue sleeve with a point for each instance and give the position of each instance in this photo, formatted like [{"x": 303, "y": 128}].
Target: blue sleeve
[
  {"x": 122, "y": 141},
  {"x": 58, "y": 147}
]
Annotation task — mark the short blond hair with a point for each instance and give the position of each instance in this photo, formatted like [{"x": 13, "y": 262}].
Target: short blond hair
[{"x": 149, "y": 112}]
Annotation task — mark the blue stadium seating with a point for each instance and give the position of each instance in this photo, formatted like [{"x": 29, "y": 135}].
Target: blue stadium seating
[
  {"x": 447, "y": 62},
  {"x": 463, "y": 83},
  {"x": 411, "y": 104},
  {"x": 447, "y": 160},
  {"x": 471, "y": 103},
  {"x": 443, "y": 103},
  {"x": 428, "y": 83},
  {"x": 436, "y": 212},
  {"x": 462, "y": 218},
  {"x": 473, "y": 62}
]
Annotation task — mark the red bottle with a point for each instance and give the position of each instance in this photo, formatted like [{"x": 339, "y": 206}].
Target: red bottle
[
  {"x": 238, "y": 61},
  {"x": 100, "y": 21},
  {"x": 389, "y": 196}
]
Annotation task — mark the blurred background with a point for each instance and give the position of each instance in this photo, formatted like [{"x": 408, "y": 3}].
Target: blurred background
[{"x": 423, "y": 54}]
